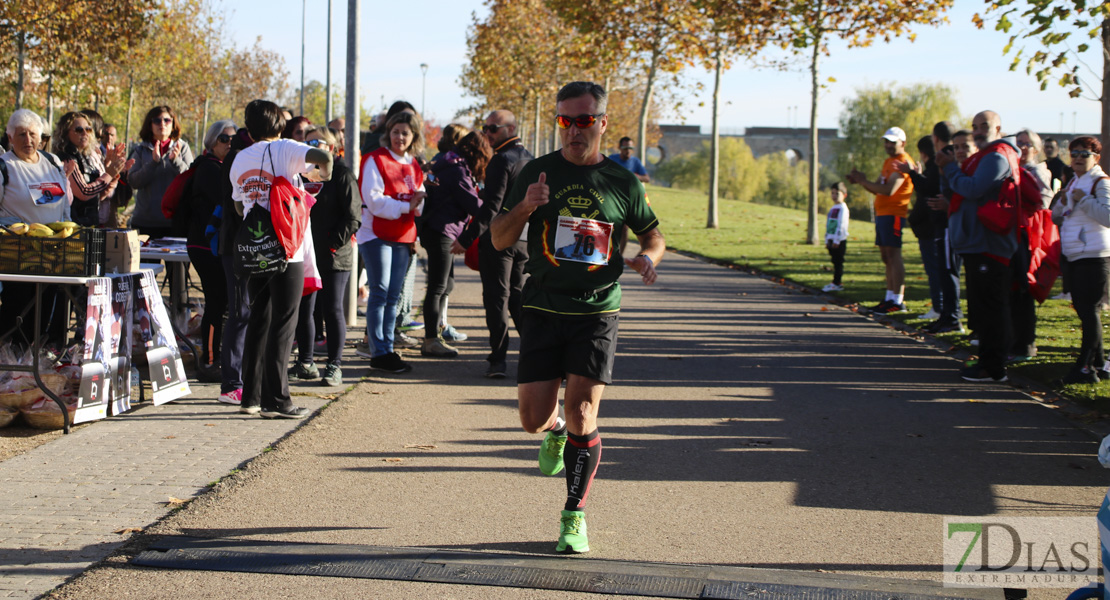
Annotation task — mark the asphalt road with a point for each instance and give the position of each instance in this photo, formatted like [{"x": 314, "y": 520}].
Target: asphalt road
[{"x": 749, "y": 425}]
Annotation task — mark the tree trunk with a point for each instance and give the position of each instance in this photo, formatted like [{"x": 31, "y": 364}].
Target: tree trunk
[
  {"x": 641, "y": 144},
  {"x": 20, "y": 47},
  {"x": 205, "y": 128},
  {"x": 811, "y": 222},
  {"x": 1105, "y": 93},
  {"x": 130, "y": 106},
  {"x": 50, "y": 101},
  {"x": 715, "y": 161},
  {"x": 536, "y": 128}
]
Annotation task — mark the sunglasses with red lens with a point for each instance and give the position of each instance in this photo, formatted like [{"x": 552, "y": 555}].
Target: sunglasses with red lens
[{"x": 581, "y": 121}]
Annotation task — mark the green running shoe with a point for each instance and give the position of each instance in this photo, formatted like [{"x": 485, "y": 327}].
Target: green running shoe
[
  {"x": 572, "y": 533},
  {"x": 551, "y": 453}
]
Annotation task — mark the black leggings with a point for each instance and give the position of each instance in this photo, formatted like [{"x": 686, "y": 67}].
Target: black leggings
[
  {"x": 1088, "y": 289},
  {"x": 441, "y": 279},
  {"x": 328, "y": 305},
  {"x": 270, "y": 328},
  {"x": 836, "y": 253},
  {"x": 214, "y": 284}
]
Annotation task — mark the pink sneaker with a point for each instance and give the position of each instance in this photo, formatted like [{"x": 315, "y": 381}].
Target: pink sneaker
[{"x": 233, "y": 397}]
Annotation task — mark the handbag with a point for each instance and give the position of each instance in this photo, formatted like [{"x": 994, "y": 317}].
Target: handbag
[{"x": 258, "y": 250}]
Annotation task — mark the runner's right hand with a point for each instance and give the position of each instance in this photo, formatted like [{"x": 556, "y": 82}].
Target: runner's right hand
[{"x": 537, "y": 194}]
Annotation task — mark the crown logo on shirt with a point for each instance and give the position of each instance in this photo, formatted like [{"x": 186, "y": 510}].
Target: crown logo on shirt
[{"x": 579, "y": 202}]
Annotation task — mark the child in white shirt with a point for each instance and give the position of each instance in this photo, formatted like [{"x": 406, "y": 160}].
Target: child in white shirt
[{"x": 836, "y": 234}]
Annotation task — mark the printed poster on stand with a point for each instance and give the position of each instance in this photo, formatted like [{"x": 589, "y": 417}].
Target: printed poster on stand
[
  {"x": 123, "y": 315},
  {"x": 167, "y": 372},
  {"x": 95, "y": 390}
]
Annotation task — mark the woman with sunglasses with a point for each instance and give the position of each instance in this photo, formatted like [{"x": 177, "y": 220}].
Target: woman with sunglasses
[
  {"x": 191, "y": 218},
  {"x": 161, "y": 157},
  {"x": 93, "y": 179},
  {"x": 336, "y": 217},
  {"x": 1083, "y": 214}
]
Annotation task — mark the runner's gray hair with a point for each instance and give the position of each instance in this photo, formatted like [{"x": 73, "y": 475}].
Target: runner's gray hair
[
  {"x": 27, "y": 119},
  {"x": 576, "y": 89}
]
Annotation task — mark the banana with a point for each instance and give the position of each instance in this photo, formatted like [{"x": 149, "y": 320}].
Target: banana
[
  {"x": 64, "y": 232},
  {"x": 60, "y": 225},
  {"x": 18, "y": 228},
  {"x": 39, "y": 230}
]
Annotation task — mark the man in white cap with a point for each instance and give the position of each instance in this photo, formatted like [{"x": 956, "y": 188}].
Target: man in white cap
[{"x": 893, "y": 191}]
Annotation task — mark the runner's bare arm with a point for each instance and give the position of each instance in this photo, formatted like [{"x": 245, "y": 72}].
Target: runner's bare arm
[
  {"x": 652, "y": 248},
  {"x": 505, "y": 229}
]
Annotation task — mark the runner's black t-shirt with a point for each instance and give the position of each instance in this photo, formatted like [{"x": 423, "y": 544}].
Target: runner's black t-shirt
[{"x": 574, "y": 260}]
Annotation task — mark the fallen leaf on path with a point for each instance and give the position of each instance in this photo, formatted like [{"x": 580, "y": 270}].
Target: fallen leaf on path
[
  {"x": 806, "y": 315},
  {"x": 168, "y": 437},
  {"x": 209, "y": 424},
  {"x": 327, "y": 396},
  {"x": 127, "y": 530},
  {"x": 175, "y": 501},
  {"x": 422, "y": 446},
  {"x": 824, "y": 308},
  {"x": 393, "y": 460}
]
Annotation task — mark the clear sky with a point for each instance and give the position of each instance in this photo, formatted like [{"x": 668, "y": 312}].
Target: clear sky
[{"x": 396, "y": 37}]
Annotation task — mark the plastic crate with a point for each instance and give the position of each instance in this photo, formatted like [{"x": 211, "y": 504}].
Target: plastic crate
[{"x": 81, "y": 254}]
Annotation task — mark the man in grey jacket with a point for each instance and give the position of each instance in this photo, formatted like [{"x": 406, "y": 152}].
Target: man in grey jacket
[{"x": 986, "y": 254}]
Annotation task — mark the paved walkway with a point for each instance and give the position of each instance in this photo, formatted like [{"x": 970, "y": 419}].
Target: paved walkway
[
  {"x": 64, "y": 502},
  {"x": 749, "y": 425}
]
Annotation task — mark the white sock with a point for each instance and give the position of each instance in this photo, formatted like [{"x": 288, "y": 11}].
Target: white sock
[
  {"x": 897, "y": 298},
  {"x": 889, "y": 295}
]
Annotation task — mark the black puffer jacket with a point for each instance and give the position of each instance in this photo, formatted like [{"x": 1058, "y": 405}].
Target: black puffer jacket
[
  {"x": 336, "y": 216},
  {"x": 501, "y": 172}
]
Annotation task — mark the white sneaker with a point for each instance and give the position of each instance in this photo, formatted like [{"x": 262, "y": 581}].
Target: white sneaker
[
  {"x": 932, "y": 315},
  {"x": 1066, "y": 296},
  {"x": 832, "y": 287}
]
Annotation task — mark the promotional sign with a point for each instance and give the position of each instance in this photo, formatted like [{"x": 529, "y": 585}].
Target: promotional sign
[
  {"x": 94, "y": 392},
  {"x": 123, "y": 301},
  {"x": 167, "y": 372}
]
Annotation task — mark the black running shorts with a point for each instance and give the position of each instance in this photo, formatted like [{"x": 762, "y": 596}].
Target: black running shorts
[{"x": 552, "y": 347}]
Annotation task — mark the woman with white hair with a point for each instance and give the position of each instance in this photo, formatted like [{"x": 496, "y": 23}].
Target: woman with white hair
[
  {"x": 193, "y": 214},
  {"x": 35, "y": 190},
  {"x": 34, "y": 182}
]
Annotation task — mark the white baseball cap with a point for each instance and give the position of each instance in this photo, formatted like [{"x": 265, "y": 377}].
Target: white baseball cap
[{"x": 895, "y": 134}]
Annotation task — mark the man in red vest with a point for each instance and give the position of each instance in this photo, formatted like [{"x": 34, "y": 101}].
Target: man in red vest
[{"x": 986, "y": 254}]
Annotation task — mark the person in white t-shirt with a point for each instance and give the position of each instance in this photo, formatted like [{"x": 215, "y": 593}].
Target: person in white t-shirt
[
  {"x": 275, "y": 299},
  {"x": 836, "y": 234},
  {"x": 35, "y": 190}
]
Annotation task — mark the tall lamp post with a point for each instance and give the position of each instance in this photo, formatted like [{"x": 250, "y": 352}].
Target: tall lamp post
[
  {"x": 303, "y": 13},
  {"x": 423, "y": 86}
]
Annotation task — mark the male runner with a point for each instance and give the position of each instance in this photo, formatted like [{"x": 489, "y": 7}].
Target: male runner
[{"x": 573, "y": 201}]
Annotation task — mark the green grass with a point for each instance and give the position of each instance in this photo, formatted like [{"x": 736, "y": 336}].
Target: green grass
[{"x": 771, "y": 240}]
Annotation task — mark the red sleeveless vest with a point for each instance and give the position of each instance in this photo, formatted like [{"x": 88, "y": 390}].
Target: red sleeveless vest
[{"x": 401, "y": 182}]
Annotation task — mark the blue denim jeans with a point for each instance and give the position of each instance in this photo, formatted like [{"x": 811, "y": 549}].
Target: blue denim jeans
[
  {"x": 929, "y": 260},
  {"x": 386, "y": 263}
]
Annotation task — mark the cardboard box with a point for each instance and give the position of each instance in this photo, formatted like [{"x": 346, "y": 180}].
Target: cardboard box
[{"x": 121, "y": 251}]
